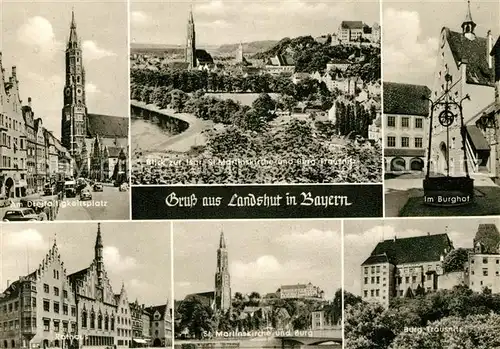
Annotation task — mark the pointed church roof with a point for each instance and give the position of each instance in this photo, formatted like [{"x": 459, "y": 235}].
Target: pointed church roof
[
  {"x": 468, "y": 16},
  {"x": 98, "y": 240},
  {"x": 222, "y": 241},
  {"x": 73, "y": 37}
]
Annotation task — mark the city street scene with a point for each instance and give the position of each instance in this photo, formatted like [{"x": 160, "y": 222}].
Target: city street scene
[
  {"x": 221, "y": 94},
  {"x": 81, "y": 285},
  {"x": 64, "y": 111},
  {"x": 442, "y": 108},
  {"x": 422, "y": 283},
  {"x": 257, "y": 284}
]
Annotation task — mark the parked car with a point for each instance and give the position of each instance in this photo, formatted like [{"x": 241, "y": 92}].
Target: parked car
[
  {"x": 98, "y": 187},
  {"x": 50, "y": 190},
  {"x": 85, "y": 194},
  {"x": 20, "y": 214},
  {"x": 5, "y": 201}
]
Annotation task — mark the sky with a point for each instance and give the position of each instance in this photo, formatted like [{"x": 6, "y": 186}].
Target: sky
[
  {"x": 411, "y": 32},
  {"x": 34, "y": 38},
  {"x": 232, "y": 21},
  {"x": 263, "y": 255},
  {"x": 142, "y": 261},
  {"x": 361, "y": 237}
]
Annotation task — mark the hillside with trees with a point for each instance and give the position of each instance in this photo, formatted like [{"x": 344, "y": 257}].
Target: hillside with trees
[{"x": 458, "y": 318}]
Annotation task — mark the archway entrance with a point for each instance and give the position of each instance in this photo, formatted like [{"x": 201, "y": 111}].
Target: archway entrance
[
  {"x": 9, "y": 187},
  {"x": 416, "y": 164},
  {"x": 157, "y": 342},
  {"x": 398, "y": 165}
]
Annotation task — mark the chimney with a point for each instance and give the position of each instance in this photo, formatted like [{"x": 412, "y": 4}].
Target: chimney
[
  {"x": 29, "y": 102},
  {"x": 489, "y": 47},
  {"x": 14, "y": 73}
]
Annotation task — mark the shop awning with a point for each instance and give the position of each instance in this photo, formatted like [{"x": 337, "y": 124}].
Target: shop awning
[{"x": 138, "y": 340}]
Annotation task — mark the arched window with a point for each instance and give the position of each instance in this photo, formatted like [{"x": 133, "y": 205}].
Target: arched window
[
  {"x": 84, "y": 319},
  {"x": 112, "y": 323},
  {"x": 92, "y": 320},
  {"x": 99, "y": 322},
  {"x": 106, "y": 322},
  {"x": 13, "y": 343},
  {"x": 416, "y": 164}
]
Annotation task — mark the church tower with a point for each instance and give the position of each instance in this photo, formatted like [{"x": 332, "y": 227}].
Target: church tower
[
  {"x": 191, "y": 42},
  {"x": 468, "y": 25},
  {"x": 222, "y": 278},
  {"x": 74, "y": 113},
  {"x": 239, "y": 54}
]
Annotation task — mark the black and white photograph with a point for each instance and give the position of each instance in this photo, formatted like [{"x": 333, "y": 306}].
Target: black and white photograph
[
  {"x": 252, "y": 92},
  {"x": 422, "y": 283},
  {"x": 85, "y": 285},
  {"x": 258, "y": 284},
  {"x": 64, "y": 121},
  {"x": 441, "y": 108}
]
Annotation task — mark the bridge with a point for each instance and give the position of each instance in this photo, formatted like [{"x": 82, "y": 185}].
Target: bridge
[{"x": 312, "y": 337}]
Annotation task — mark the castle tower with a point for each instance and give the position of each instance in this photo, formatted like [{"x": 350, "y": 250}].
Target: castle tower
[
  {"x": 74, "y": 113},
  {"x": 191, "y": 42},
  {"x": 222, "y": 278},
  {"x": 98, "y": 257},
  {"x": 468, "y": 25}
]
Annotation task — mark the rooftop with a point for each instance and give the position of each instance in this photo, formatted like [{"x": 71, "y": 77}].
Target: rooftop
[{"x": 406, "y": 99}]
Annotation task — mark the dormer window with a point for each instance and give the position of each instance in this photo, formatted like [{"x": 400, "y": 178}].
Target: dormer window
[{"x": 157, "y": 316}]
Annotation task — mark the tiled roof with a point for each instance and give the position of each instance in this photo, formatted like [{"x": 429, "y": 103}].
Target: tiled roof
[
  {"x": 114, "y": 152},
  {"x": 204, "y": 57},
  {"x": 78, "y": 275},
  {"x": 427, "y": 248},
  {"x": 476, "y": 136},
  {"x": 406, "y": 99},
  {"x": 107, "y": 126},
  {"x": 161, "y": 309},
  {"x": 376, "y": 259},
  {"x": 475, "y": 53},
  {"x": 352, "y": 25},
  {"x": 204, "y": 298},
  {"x": 488, "y": 236}
]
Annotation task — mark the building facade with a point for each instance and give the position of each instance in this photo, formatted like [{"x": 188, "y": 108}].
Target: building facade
[
  {"x": 161, "y": 325},
  {"x": 406, "y": 127},
  {"x": 465, "y": 65},
  {"x": 403, "y": 267},
  {"x": 222, "y": 278},
  {"x": 123, "y": 320},
  {"x": 13, "y": 142},
  {"x": 300, "y": 291}
]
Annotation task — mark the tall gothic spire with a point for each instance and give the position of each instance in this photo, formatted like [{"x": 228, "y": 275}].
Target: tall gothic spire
[
  {"x": 73, "y": 37},
  {"x": 98, "y": 240},
  {"x": 222, "y": 241},
  {"x": 468, "y": 24}
]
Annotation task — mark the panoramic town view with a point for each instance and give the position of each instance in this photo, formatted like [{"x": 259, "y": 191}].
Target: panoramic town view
[
  {"x": 441, "y": 133},
  {"x": 221, "y": 94},
  {"x": 422, "y": 283},
  {"x": 237, "y": 285},
  {"x": 64, "y": 117},
  {"x": 100, "y": 290}
]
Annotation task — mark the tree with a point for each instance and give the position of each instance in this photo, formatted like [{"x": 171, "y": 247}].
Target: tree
[
  {"x": 455, "y": 260},
  {"x": 179, "y": 99},
  {"x": 196, "y": 317}
]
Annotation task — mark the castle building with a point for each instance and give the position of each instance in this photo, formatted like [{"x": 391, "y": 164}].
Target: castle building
[
  {"x": 300, "y": 291},
  {"x": 464, "y": 60},
  {"x": 406, "y": 126},
  {"x": 483, "y": 269},
  {"x": 403, "y": 267},
  {"x": 80, "y": 129},
  {"x": 222, "y": 278}
]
